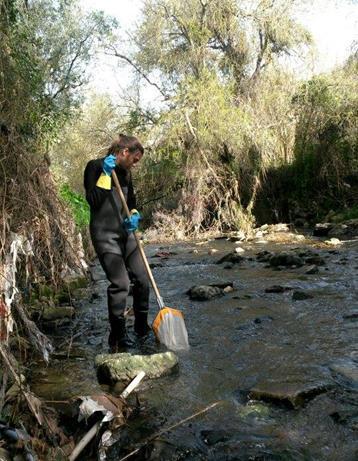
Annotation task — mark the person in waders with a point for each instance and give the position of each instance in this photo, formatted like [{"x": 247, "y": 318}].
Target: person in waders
[{"x": 113, "y": 239}]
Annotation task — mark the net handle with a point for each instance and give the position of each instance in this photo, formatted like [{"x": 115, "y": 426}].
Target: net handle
[{"x": 139, "y": 244}]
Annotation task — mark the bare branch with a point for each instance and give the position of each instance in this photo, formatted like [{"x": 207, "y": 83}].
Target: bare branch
[{"x": 139, "y": 70}]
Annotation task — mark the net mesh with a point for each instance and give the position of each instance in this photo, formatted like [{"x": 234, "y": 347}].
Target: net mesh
[{"x": 169, "y": 327}]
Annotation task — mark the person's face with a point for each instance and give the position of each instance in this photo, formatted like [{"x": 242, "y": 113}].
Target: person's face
[{"x": 128, "y": 160}]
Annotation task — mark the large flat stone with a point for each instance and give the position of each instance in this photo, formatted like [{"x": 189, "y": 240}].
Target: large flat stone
[
  {"x": 124, "y": 366},
  {"x": 290, "y": 393}
]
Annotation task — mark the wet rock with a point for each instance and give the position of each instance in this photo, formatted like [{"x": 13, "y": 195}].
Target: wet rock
[
  {"x": 263, "y": 256},
  {"x": 351, "y": 315},
  {"x": 285, "y": 259},
  {"x": 212, "y": 251},
  {"x": 312, "y": 270},
  {"x": 322, "y": 229},
  {"x": 239, "y": 250},
  {"x": 233, "y": 258},
  {"x": 291, "y": 394},
  {"x": 315, "y": 259},
  {"x": 154, "y": 265},
  {"x": 254, "y": 409},
  {"x": 124, "y": 367},
  {"x": 277, "y": 289},
  {"x": 205, "y": 292},
  {"x": 348, "y": 417},
  {"x": 264, "y": 318},
  {"x": 229, "y": 266},
  {"x": 56, "y": 313},
  {"x": 333, "y": 241},
  {"x": 300, "y": 296},
  {"x": 212, "y": 437},
  {"x": 347, "y": 369},
  {"x": 346, "y": 228}
]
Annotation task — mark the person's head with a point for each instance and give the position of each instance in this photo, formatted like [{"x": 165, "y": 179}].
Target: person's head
[{"x": 128, "y": 151}]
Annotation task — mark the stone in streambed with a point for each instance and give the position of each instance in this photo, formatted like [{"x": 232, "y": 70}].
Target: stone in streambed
[
  {"x": 315, "y": 259},
  {"x": 205, "y": 292},
  {"x": 263, "y": 256},
  {"x": 351, "y": 315},
  {"x": 333, "y": 241},
  {"x": 300, "y": 296},
  {"x": 322, "y": 229},
  {"x": 285, "y": 259},
  {"x": 291, "y": 394},
  {"x": 233, "y": 258},
  {"x": 125, "y": 366},
  {"x": 277, "y": 289}
]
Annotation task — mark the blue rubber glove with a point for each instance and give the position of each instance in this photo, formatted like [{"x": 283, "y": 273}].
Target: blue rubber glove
[
  {"x": 131, "y": 224},
  {"x": 109, "y": 164}
]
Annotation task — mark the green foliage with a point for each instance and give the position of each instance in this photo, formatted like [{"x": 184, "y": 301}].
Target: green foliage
[
  {"x": 77, "y": 204},
  {"x": 231, "y": 38},
  {"x": 326, "y": 136},
  {"x": 46, "y": 46}
]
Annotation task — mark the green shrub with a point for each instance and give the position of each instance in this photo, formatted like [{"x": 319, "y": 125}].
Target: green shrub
[{"x": 77, "y": 204}]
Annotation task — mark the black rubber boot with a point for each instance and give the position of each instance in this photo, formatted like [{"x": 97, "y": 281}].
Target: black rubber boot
[
  {"x": 118, "y": 340},
  {"x": 141, "y": 326}
]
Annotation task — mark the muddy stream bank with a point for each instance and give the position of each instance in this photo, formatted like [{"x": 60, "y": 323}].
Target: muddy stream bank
[{"x": 282, "y": 361}]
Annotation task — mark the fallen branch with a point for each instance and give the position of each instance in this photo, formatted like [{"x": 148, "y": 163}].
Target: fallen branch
[
  {"x": 37, "y": 338},
  {"x": 163, "y": 431},
  {"x": 94, "y": 429},
  {"x": 33, "y": 402}
]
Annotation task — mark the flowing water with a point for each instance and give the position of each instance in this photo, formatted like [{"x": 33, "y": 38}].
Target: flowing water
[{"x": 245, "y": 340}]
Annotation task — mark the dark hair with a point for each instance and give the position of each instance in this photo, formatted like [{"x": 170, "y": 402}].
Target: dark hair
[{"x": 125, "y": 142}]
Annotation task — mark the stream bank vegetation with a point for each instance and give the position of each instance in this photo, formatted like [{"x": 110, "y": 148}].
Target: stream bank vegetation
[{"x": 234, "y": 137}]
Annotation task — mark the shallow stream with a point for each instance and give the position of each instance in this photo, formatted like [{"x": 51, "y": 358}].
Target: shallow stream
[{"x": 248, "y": 339}]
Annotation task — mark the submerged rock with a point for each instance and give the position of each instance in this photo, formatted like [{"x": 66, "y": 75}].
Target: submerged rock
[
  {"x": 214, "y": 436},
  {"x": 233, "y": 258},
  {"x": 347, "y": 369},
  {"x": 285, "y": 259},
  {"x": 315, "y": 259},
  {"x": 124, "y": 366},
  {"x": 277, "y": 289},
  {"x": 292, "y": 394},
  {"x": 312, "y": 270},
  {"x": 351, "y": 315},
  {"x": 263, "y": 256},
  {"x": 300, "y": 296}
]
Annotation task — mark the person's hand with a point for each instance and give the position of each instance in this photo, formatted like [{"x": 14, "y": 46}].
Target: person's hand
[
  {"x": 109, "y": 164},
  {"x": 131, "y": 224}
]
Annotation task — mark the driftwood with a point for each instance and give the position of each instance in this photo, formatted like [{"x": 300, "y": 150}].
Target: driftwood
[{"x": 163, "y": 431}]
